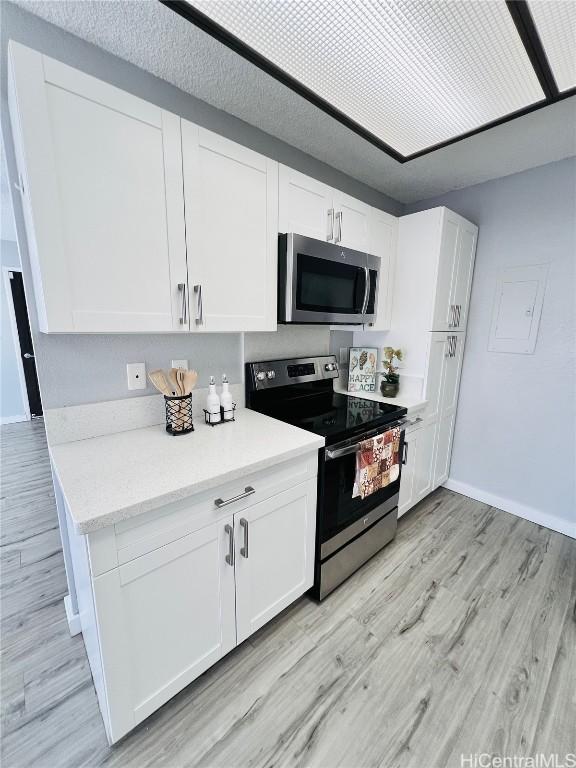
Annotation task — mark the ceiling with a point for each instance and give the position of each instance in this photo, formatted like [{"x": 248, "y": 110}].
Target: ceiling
[{"x": 153, "y": 37}]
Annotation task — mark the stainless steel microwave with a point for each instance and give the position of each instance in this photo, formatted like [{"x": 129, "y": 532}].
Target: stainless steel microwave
[{"x": 321, "y": 282}]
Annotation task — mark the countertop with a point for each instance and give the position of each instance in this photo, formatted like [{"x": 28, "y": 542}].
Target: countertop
[
  {"x": 113, "y": 477},
  {"x": 411, "y": 403}
]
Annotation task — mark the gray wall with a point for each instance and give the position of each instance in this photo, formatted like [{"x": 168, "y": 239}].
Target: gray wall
[
  {"x": 11, "y": 402},
  {"x": 515, "y": 430}
]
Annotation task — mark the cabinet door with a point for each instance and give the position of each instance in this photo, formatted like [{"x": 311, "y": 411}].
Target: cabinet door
[
  {"x": 443, "y": 311},
  {"x": 443, "y": 449},
  {"x": 466, "y": 252},
  {"x": 451, "y": 373},
  {"x": 383, "y": 231},
  {"x": 424, "y": 466},
  {"x": 231, "y": 197},
  {"x": 437, "y": 359},
  {"x": 163, "y": 619},
  {"x": 406, "y": 500},
  {"x": 304, "y": 205},
  {"x": 102, "y": 177},
  {"x": 351, "y": 225},
  {"x": 274, "y": 555}
]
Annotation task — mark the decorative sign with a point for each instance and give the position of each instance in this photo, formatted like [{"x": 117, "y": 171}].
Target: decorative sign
[{"x": 362, "y": 369}]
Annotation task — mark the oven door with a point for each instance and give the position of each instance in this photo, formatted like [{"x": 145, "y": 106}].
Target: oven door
[
  {"x": 323, "y": 283},
  {"x": 342, "y": 517}
]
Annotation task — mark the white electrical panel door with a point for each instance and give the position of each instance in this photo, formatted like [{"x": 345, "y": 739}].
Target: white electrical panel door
[{"x": 517, "y": 308}]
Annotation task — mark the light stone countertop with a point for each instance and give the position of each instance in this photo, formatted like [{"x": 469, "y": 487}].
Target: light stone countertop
[
  {"x": 113, "y": 477},
  {"x": 412, "y": 403}
]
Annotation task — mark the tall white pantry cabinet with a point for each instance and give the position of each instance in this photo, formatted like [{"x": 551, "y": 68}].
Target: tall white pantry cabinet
[{"x": 434, "y": 267}]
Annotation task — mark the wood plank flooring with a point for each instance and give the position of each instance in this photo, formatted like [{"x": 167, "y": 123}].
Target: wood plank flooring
[{"x": 458, "y": 638}]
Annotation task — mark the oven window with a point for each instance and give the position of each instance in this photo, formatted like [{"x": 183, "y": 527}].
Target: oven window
[
  {"x": 337, "y": 507},
  {"x": 327, "y": 286}
]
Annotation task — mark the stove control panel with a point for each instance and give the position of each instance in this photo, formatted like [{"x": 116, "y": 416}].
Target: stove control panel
[{"x": 280, "y": 373}]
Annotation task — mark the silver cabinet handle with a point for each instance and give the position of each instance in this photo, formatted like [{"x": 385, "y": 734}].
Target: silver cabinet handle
[
  {"x": 330, "y": 232},
  {"x": 199, "y": 308},
  {"x": 448, "y": 342},
  {"x": 230, "y": 556},
  {"x": 28, "y": 356},
  {"x": 244, "y": 549},
  {"x": 184, "y": 309},
  {"x": 458, "y": 313},
  {"x": 454, "y": 347},
  {"x": 248, "y": 491},
  {"x": 339, "y": 220},
  {"x": 452, "y": 315}
]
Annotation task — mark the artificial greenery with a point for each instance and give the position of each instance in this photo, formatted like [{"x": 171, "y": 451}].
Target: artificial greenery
[{"x": 389, "y": 354}]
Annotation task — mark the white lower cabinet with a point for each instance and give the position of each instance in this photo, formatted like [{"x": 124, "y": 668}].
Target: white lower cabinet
[
  {"x": 164, "y": 618},
  {"x": 443, "y": 452},
  {"x": 417, "y": 473},
  {"x": 275, "y": 556},
  {"x": 191, "y": 582}
]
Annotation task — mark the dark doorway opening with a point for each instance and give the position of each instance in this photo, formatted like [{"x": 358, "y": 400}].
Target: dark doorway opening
[{"x": 25, "y": 340}]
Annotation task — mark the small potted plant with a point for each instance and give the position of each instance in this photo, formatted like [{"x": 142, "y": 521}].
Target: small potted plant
[{"x": 391, "y": 380}]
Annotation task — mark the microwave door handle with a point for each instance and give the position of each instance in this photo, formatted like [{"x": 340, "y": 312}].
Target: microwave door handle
[{"x": 366, "y": 289}]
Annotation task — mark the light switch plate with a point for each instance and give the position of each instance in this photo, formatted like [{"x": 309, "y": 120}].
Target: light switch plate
[
  {"x": 344, "y": 355},
  {"x": 180, "y": 364},
  {"x": 136, "y": 373}
]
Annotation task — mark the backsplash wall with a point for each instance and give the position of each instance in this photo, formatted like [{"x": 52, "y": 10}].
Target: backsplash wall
[{"x": 92, "y": 368}]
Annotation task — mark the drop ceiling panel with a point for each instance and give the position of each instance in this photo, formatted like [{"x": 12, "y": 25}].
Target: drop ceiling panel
[
  {"x": 414, "y": 73},
  {"x": 556, "y": 26}
]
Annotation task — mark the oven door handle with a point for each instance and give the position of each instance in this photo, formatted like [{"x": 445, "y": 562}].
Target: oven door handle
[{"x": 337, "y": 453}]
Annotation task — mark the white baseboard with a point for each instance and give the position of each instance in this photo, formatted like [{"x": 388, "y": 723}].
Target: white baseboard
[
  {"x": 520, "y": 510},
  {"x": 13, "y": 419},
  {"x": 73, "y": 618}
]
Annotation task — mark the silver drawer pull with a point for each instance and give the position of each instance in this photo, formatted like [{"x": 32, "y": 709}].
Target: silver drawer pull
[
  {"x": 417, "y": 420},
  {"x": 230, "y": 556},
  {"x": 248, "y": 491},
  {"x": 244, "y": 549}
]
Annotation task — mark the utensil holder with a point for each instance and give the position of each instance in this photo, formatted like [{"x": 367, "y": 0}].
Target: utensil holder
[{"x": 179, "y": 414}]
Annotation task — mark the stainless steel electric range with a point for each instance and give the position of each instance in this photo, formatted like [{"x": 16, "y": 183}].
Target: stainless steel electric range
[{"x": 349, "y": 529}]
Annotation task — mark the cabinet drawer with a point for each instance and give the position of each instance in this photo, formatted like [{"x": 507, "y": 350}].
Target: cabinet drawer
[{"x": 128, "y": 539}]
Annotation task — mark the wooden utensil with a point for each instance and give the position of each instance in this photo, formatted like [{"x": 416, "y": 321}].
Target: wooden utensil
[
  {"x": 158, "y": 379},
  {"x": 172, "y": 376},
  {"x": 190, "y": 379}
]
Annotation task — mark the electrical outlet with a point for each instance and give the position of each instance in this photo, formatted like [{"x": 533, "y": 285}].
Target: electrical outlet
[
  {"x": 136, "y": 375},
  {"x": 180, "y": 364}
]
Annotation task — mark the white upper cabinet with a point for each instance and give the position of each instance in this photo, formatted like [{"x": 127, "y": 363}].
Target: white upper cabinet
[
  {"x": 443, "y": 314},
  {"x": 462, "y": 282},
  {"x": 305, "y": 205},
  {"x": 313, "y": 209},
  {"x": 231, "y": 203},
  {"x": 383, "y": 232},
  {"x": 101, "y": 173},
  {"x": 351, "y": 222},
  {"x": 435, "y": 262}
]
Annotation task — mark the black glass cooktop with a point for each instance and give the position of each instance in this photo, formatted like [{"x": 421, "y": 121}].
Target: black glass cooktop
[{"x": 331, "y": 414}]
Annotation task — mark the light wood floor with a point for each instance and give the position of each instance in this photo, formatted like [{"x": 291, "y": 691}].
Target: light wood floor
[{"x": 460, "y": 637}]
